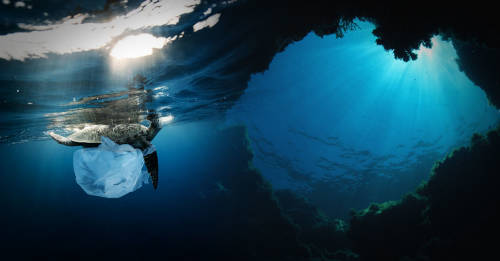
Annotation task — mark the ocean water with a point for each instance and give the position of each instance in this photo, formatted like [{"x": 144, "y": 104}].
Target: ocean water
[
  {"x": 337, "y": 122},
  {"x": 342, "y": 119}
]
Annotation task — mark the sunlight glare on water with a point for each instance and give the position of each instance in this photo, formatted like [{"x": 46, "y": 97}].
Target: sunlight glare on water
[{"x": 135, "y": 46}]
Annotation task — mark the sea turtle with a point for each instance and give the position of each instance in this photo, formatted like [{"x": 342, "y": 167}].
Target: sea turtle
[{"x": 136, "y": 135}]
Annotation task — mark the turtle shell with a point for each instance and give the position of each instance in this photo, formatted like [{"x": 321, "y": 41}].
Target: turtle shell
[{"x": 120, "y": 134}]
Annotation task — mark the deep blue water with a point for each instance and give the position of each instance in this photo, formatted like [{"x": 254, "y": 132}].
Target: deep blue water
[
  {"x": 338, "y": 121},
  {"x": 342, "y": 120},
  {"x": 42, "y": 204}
]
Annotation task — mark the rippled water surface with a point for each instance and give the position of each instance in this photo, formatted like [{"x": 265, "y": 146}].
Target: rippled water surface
[{"x": 338, "y": 121}]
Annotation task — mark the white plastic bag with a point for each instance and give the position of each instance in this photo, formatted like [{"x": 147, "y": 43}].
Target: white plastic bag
[{"x": 110, "y": 170}]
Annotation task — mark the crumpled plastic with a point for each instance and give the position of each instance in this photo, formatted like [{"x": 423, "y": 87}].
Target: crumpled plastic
[{"x": 110, "y": 170}]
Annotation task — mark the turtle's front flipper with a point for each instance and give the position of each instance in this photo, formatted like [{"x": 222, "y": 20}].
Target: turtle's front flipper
[
  {"x": 151, "y": 161},
  {"x": 62, "y": 140}
]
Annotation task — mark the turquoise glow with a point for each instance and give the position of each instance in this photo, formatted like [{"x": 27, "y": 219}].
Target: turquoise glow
[{"x": 344, "y": 110}]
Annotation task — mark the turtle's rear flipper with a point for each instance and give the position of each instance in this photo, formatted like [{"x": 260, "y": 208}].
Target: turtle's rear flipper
[
  {"x": 62, "y": 140},
  {"x": 151, "y": 161}
]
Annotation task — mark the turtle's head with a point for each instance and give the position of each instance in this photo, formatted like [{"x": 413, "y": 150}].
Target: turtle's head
[
  {"x": 139, "y": 142},
  {"x": 62, "y": 140},
  {"x": 154, "y": 120}
]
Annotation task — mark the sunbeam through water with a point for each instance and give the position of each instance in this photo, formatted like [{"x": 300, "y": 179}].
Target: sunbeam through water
[{"x": 331, "y": 112}]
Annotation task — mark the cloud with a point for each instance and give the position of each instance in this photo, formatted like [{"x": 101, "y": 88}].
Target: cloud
[
  {"x": 209, "y": 22},
  {"x": 209, "y": 11},
  {"x": 19, "y": 4},
  {"x": 72, "y": 34}
]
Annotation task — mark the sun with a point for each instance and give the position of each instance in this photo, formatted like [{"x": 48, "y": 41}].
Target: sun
[{"x": 135, "y": 46}]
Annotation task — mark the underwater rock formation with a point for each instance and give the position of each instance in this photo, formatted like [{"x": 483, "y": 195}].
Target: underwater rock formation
[
  {"x": 451, "y": 217},
  {"x": 390, "y": 230},
  {"x": 481, "y": 65},
  {"x": 323, "y": 236}
]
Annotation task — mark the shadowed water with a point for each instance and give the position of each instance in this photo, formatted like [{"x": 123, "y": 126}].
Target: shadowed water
[
  {"x": 341, "y": 120},
  {"x": 271, "y": 129}
]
